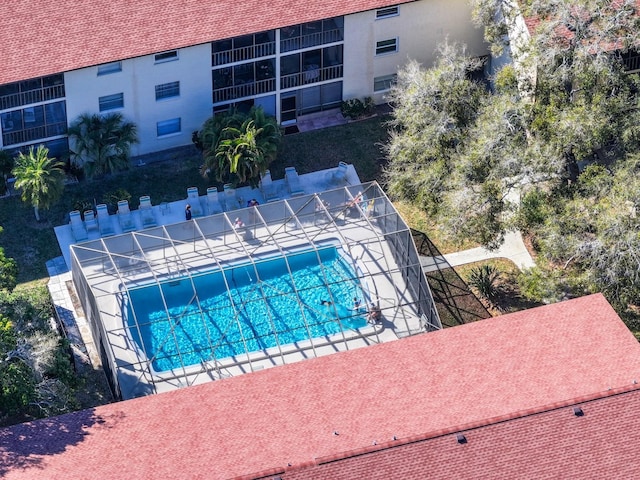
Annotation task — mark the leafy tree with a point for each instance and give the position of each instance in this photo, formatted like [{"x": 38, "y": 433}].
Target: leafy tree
[
  {"x": 592, "y": 235},
  {"x": 102, "y": 143},
  {"x": 238, "y": 148},
  {"x": 463, "y": 153},
  {"x": 534, "y": 210},
  {"x": 40, "y": 178},
  {"x": 433, "y": 111},
  {"x": 36, "y": 375}
]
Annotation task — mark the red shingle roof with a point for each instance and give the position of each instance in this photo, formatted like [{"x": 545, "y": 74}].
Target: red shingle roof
[
  {"x": 423, "y": 386},
  {"x": 42, "y": 37},
  {"x": 555, "y": 444}
]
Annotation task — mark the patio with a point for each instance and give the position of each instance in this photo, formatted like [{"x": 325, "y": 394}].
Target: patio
[{"x": 173, "y": 212}]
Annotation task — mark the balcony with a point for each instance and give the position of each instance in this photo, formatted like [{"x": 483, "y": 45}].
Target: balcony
[
  {"x": 244, "y": 53},
  {"x": 31, "y": 96},
  {"x": 311, "y": 40},
  {"x": 311, "y": 74},
  {"x": 249, "y": 89},
  {"x": 36, "y": 133}
]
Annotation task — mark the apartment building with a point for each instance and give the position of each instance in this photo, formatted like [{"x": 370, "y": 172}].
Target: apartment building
[{"x": 168, "y": 68}]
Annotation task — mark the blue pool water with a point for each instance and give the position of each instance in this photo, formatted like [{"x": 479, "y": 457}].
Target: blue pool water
[{"x": 216, "y": 323}]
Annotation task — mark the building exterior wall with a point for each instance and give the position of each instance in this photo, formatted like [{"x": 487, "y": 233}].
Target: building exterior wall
[
  {"x": 338, "y": 60},
  {"x": 137, "y": 81},
  {"x": 419, "y": 27}
]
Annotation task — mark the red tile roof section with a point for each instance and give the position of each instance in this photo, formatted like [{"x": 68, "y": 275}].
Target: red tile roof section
[
  {"x": 414, "y": 387},
  {"x": 42, "y": 37},
  {"x": 554, "y": 444}
]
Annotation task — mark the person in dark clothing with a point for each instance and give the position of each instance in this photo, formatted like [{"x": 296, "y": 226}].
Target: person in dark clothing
[{"x": 187, "y": 212}]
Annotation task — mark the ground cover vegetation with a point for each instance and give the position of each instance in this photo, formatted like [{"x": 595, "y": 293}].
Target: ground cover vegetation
[
  {"x": 37, "y": 378},
  {"x": 482, "y": 160}
]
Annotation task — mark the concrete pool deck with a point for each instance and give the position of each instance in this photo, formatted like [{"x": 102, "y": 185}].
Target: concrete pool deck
[{"x": 375, "y": 257}]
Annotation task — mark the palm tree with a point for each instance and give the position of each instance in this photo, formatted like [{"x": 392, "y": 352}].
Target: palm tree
[
  {"x": 102, "y": 143},
  {"x": 239, "y": 149},
  {"x": 40, "y": 178},
  {"x": 210, "y": 136}
]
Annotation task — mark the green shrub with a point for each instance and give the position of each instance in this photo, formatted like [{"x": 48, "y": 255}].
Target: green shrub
[
  {"x": 112, "y": 198},
  {"x": 355, "y": 108},
  {"x": 540, "y": 285},
  {"x": 82, "y": 205},
  {"x": 483, "y": 279},
  {"x": 17, "y": 387}
]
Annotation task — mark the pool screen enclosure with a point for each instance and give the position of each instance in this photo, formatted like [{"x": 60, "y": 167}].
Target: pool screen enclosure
[{"x": 204, "y": 299}]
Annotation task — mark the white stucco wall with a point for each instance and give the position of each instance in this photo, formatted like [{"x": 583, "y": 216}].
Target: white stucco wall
[
  {"x": 137, "y": 81},
  {"x": 419, "y": 27}
]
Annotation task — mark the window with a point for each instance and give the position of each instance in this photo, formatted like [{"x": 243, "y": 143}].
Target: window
[
  {"x": 108, "y": 68},
  {"x": 168, "y": 127},
  {"x": 384, "y": 82},
  {"x": 387, "y": 12},
  {"x": 167, "y": 90},
  {"x": 167, "y": 56},
  {"x": 111, "y": 102},
  {"x": 387, "y": 46}
]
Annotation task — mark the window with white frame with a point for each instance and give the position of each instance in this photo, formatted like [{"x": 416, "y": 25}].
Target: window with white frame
[
  {"x": 168, "y": 127},
  {"x": 111, "y": 102},
  {"x": 166, "y": 56},
  {"x": 384, "y": 82},
  {"x": 387, "y": 46},
  {"x": 167, "y": 90},
  {"x": 108, "y": 68},
  {"x": 387, "y": 12}
]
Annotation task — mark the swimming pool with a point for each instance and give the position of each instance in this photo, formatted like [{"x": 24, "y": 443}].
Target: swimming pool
[{"x": 241, "y": 309}]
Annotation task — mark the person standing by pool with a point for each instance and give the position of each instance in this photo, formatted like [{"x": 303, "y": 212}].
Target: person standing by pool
[
  {"x": 374, "y": 313},
  {"x": 187, "y": 212}
]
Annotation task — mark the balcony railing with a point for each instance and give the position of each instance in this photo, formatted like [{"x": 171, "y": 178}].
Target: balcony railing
[
  {"x": 32, "y": 96},
  {"x": 244, "y": 90},
  {"x": 244, "y": 53},
  {"x": 36, "y": 133},
  {"x": 311, "y": 75},
  {"x": 311, "y": 40},
  {"x": 632, "y": 63}
]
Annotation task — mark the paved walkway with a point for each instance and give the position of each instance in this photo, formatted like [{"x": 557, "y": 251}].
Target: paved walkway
[{"x": 512, "y": 249}]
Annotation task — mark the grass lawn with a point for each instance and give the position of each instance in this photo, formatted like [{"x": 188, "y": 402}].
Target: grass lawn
[
  {"x": 32, "y": 243},
  {"x": 418, "y": 220}
]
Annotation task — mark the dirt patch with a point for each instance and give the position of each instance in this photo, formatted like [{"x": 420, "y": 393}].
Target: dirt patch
[{"x": 77, "y": 307}]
